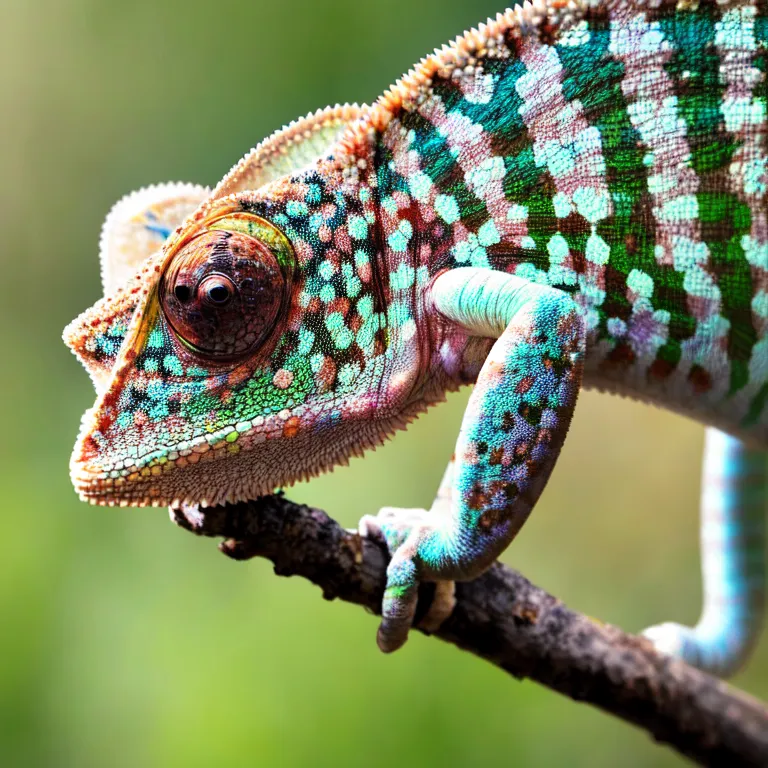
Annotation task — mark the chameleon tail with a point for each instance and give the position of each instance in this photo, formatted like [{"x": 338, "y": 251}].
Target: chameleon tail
[{"x": 733, "y": 528}]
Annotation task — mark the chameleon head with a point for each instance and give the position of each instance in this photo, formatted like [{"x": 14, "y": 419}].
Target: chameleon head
[
  {"x": 221, "y": 374},
  {"x": 200, "y": 371}
]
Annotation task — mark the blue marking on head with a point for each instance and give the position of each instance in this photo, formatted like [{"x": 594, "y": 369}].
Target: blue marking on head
[{"x": 159, "y": 230}]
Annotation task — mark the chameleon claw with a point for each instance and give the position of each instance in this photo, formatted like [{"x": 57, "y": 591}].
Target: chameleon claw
[{"x": 369, "y": 528}]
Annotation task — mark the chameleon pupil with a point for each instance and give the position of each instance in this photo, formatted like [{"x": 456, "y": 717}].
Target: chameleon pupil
[{"x": 218, "y": 293}]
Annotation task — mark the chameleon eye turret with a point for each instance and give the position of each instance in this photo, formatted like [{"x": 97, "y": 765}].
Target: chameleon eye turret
[{"x": 222, "y": 291}]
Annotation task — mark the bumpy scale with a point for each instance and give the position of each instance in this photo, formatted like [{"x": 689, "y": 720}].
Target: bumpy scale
[{"x": 572, "y": 194}]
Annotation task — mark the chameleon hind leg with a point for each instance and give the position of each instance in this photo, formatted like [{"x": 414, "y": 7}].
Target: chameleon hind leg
[
  {"x": 733, "y": 559},
  {"x": 511, "y": 435}
]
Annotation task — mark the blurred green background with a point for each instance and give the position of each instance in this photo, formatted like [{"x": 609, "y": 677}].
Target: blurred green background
[{"x": 127, "y": 642}]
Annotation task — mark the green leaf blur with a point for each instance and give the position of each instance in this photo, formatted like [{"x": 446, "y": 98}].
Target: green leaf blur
[{"x": 127, "y": 642}]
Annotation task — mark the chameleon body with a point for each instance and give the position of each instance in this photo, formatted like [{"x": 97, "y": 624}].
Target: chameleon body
[{"x": 572, "y": 194}]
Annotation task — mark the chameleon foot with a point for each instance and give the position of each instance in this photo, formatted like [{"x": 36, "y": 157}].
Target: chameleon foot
[{"x": 407, "y": 533}]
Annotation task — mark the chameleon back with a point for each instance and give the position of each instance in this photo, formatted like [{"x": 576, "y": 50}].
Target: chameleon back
[{"x": 620, "y": 157}]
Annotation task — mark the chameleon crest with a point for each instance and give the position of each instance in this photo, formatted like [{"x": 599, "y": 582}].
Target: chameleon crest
[{"x": 573, "y": 194}]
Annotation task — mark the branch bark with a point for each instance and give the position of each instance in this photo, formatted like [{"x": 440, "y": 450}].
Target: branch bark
[{"x": 504, "y": 619}]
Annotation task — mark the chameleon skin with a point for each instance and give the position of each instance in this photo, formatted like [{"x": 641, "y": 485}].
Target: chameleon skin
[
  {"x": 564, "y": 196},
  {"x": 733, "y": 559}
]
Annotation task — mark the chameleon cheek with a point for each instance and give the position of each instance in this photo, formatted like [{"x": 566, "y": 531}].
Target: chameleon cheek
[{"x": 222, "y": 294}]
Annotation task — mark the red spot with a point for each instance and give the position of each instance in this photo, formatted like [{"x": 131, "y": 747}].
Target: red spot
[
  {"x": 326, "y": 375},
  {"x": 90, "y": 447},
  {"x": 524, "y": 385},
  {"x": 660, "y": 369},
  {"x": 579, "y": 261},
  {"x": 622, "y": 354},
  {"x": 477, "y": 499},
  {"x": 547, "y": 33},
  {"x": 496, "y": 457},
  {"x": 364, "y": 273},
  {"x": 544, "y": 436},
  {"x": 340, "y": 304},
  {"x": 700, "y": 380},
  {"x": 292, "y": 427},
  {"x": 341, "y": 240}
]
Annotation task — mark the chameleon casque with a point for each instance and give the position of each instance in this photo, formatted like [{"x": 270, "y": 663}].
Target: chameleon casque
[{"x": 573, "y": 194}]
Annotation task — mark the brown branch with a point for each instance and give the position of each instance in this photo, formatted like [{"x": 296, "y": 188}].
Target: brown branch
[{"x": 520, "y": 628}]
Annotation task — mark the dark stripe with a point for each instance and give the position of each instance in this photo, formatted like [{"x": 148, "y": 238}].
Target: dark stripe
[
  {"x": 440, "y": 164},
  {"x": 594, "y": 77},
  {"x": 532, "y": 187},
  {"x": 501, "y": 115},
  {"x": 525, "y": 183},
  {"x": 761, "y": 37},
  {"x": 695, "y": 71}
]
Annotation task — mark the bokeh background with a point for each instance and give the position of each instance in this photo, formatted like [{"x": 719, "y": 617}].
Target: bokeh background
[{"x": 127, "y": 642}]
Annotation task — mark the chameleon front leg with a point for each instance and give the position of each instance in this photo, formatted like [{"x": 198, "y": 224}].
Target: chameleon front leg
[
  {"x": 511, "y": 435},
  {"x": 733, "y": 559}
]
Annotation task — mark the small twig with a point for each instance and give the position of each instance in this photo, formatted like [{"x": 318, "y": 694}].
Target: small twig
[{"x": 508, "y": 621}]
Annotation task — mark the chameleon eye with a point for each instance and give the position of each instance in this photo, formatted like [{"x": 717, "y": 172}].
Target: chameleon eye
[{"x": 222, "y": 293}]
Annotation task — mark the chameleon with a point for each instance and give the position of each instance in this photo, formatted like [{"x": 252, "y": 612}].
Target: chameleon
[{"x": 570, "y": 195}]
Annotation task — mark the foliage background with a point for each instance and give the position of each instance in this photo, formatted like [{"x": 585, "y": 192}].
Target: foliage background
[{"x": 127, "y": 642}]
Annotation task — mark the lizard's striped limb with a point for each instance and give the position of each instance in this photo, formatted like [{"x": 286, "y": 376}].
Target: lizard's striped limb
[
  {"x": 511, "y": 435},
  {"x": 733, "y": 559}
]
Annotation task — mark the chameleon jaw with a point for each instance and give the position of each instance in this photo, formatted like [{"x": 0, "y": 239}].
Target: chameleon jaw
[{"x": 281, "y": 452}]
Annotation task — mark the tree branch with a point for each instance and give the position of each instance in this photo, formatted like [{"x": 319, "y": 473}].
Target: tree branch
[{"x": 503, "y": 618}]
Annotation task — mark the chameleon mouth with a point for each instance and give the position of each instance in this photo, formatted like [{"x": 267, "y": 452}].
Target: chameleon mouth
[
  {"x": 107, "y": 491},
  {"x": 200, "y": 481},
  {"x": 207, "y": 470},
  {"x": 278, "y": 453}
]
